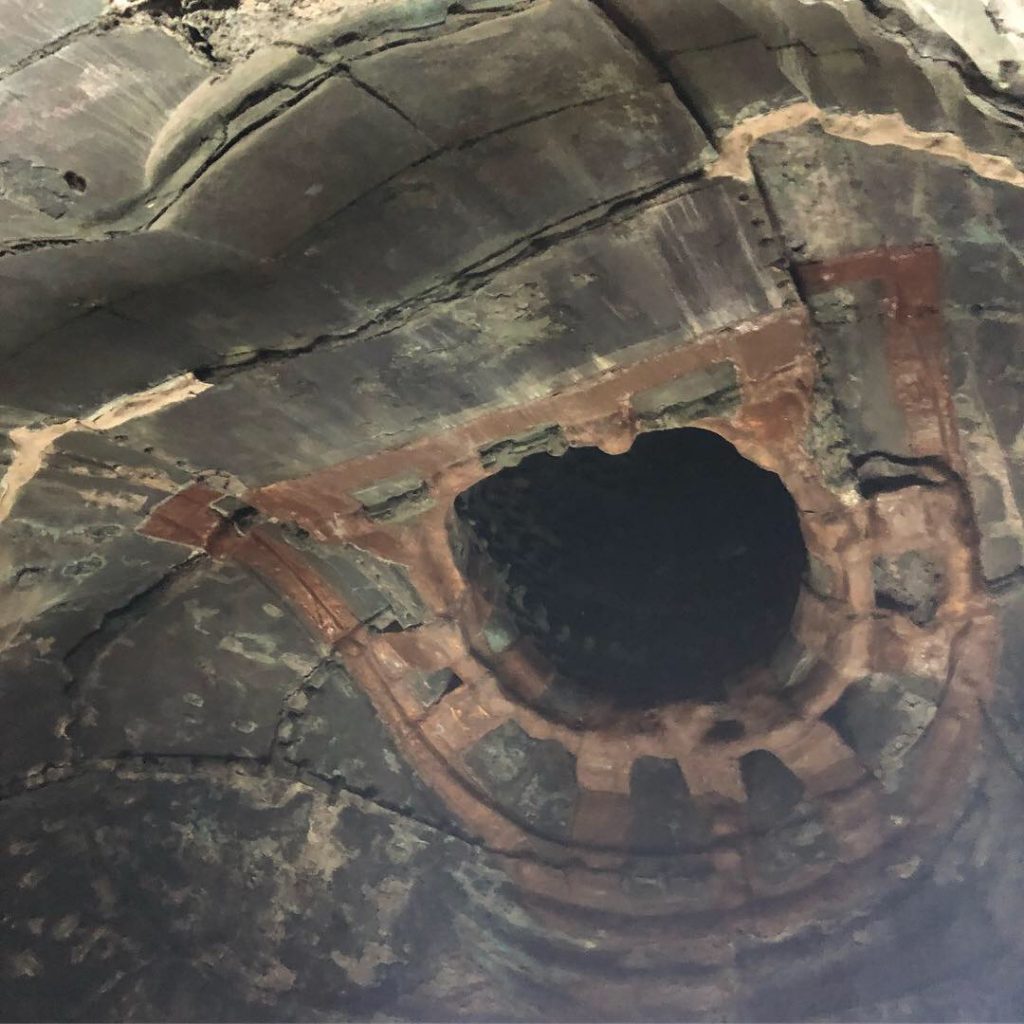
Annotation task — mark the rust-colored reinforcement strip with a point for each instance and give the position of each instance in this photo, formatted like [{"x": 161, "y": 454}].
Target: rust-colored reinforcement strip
[{"x": 776, "y": 367}]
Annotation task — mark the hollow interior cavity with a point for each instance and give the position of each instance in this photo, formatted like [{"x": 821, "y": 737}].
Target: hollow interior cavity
[{"x": 644, "y": 578}]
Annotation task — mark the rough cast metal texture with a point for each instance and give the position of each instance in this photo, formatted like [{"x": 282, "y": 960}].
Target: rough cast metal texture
[{"x": 278, "y": 282}]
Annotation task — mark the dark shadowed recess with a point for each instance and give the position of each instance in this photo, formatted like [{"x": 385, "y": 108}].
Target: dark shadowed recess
[{"x": 645, "y": 578}]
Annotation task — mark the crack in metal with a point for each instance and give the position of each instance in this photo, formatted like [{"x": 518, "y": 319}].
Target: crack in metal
[
  {"x": 33, "y": 443},
  {"x": 619, "y": 20},
  {"x": 471, "y": 278},
  {"x": 83, "y": 654},
  {"x": 226, "y": 767}
]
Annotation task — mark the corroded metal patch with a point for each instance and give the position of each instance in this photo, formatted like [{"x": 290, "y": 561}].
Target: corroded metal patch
[{"x": 662, "y": 813}]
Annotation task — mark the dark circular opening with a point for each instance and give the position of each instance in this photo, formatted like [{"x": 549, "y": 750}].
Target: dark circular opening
[
  {"x": 644, "y": 578},
  {"x": 75, "y": 181}
]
